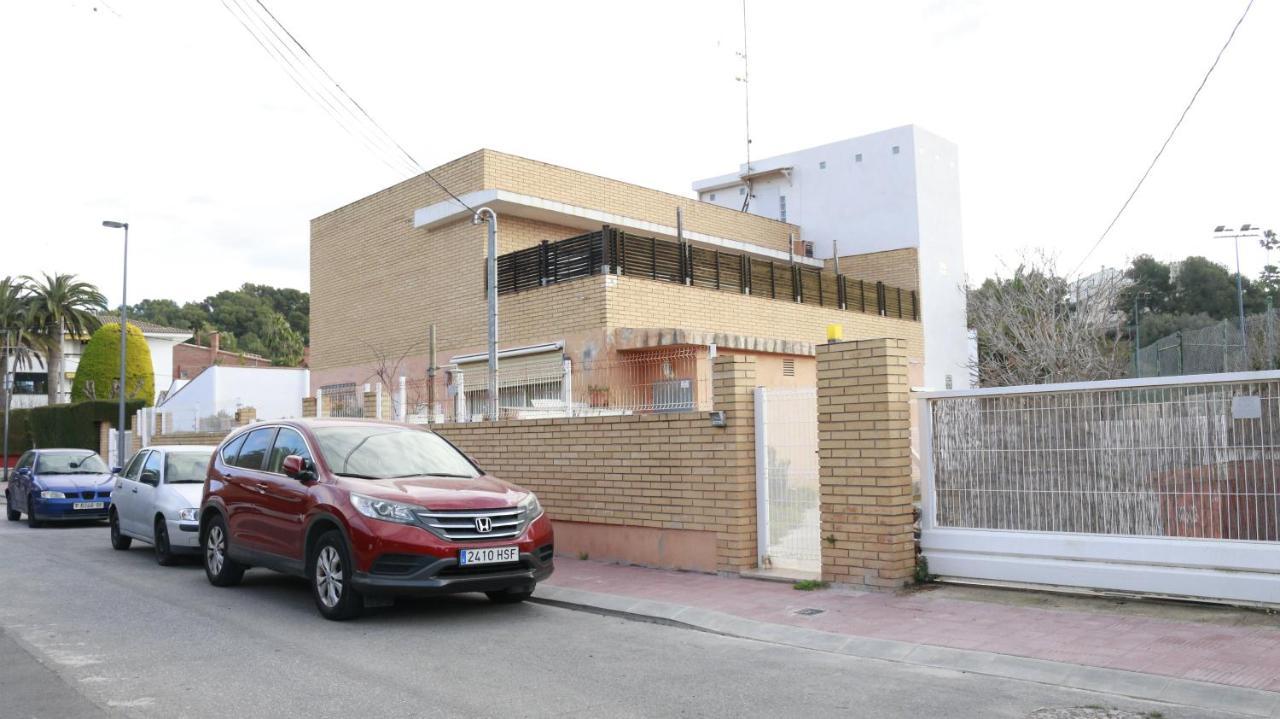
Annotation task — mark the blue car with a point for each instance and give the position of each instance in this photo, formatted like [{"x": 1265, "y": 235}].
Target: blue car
[{"x": 59, "y": 485}]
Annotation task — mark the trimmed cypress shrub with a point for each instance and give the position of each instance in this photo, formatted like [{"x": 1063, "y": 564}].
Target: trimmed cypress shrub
[{"x": 100, "y": 366}]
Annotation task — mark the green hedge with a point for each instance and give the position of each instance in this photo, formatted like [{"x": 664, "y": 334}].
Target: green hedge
[
  {"x": 19, "y": 435},
  {"x": 64, "y": 425}
]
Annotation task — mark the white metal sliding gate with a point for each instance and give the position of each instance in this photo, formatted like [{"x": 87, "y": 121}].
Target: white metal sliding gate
[
  {"x": 1165, "y": 486},
  {"x": 787, "y": 525}
]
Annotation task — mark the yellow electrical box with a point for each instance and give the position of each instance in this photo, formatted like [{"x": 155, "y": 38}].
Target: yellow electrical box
[{"x": 835, "y": 333}]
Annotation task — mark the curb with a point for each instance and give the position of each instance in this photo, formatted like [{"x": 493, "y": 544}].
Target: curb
[{"x": 1133, "y": 685}]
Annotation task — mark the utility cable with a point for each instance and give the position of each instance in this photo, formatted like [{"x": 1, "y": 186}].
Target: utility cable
[{"x": 1176, "y": 125}]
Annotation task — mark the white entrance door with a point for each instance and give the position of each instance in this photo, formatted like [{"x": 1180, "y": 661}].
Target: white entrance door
[{"x": 788, "y": 524}]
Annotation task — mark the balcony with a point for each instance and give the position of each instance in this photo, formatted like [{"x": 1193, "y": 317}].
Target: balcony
[{"x": 612, "y": 251}]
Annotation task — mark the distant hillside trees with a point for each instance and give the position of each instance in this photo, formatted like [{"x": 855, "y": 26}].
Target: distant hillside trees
[{"x": 257, "y": 319}]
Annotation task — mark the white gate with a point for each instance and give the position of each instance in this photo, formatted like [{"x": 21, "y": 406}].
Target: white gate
[
  {"x": 787, "y": 519},
  {"x": 1166, "y": 486}
]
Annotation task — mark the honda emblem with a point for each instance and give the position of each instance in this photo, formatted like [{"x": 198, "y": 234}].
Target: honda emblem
[{"x": 484, "y": 525}]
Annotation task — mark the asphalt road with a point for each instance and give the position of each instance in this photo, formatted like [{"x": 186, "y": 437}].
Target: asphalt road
[{"x": 86, "y": 631}]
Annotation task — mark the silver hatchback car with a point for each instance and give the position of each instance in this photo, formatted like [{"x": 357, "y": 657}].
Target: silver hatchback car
[{"x": 156, "y": 499}]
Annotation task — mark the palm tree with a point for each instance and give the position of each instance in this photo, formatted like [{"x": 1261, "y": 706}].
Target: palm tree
[
  {"x": 61, "y": 303},
  {"x": 15, "y": 335}
]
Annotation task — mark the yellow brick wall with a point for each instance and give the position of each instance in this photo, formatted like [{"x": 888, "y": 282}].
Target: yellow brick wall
[
  {"x": 896, "y": 268},
  {"x": 375, "y": 280},
  {"x": 637, "y": 302},
  {"x": 864, "y": 449},
  {"x": 530, "y": 177},
  {"x": 661, "y": 471}
]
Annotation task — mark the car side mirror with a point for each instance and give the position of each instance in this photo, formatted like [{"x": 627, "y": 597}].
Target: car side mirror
[
  {"x": 300, "y": 469},
  {"x": 117, "y": 470},
  {"x": 23, "y": 472},
  {"x": 150, "y": 477}
]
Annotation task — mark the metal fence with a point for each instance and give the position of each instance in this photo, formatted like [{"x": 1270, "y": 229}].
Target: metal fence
[
  {"x": 1196, "y": 458},
  {"x": 1216, "y": 348},
  {"x": 614, "y": 251},
  {"x": 635, "y": 382},
  {"x": 342, "y": 400},
  {"x": 192, "y": 419}
]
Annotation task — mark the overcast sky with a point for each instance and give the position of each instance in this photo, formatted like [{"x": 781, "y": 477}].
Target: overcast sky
[{"x": 170, "y": 116}]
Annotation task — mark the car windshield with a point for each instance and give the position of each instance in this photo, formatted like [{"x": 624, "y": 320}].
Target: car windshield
[
  {"x": 386, "y": 452},
  {"x": 186, "y": 467},
  {"x": 70, "y": 463}
]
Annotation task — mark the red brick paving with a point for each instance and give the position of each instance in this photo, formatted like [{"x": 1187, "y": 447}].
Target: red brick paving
[{"x": 1246, "y": 656}]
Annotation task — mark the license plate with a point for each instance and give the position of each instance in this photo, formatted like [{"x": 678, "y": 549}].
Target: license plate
[
  {"x": 88, "y": 505},
  {"x": 489, "y": 555}
]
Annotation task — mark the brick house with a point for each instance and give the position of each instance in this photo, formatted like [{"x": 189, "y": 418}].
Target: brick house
[
  {"x": 190, "y": 359},
  {"x": 592, "y": 270}
]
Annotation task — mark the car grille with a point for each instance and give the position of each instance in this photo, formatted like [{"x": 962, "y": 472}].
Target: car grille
[{"x": 462, "y": 525}]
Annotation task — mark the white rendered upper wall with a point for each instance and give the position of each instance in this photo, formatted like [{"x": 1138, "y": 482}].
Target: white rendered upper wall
[
  {"x": 863, "y": 193},
  {"x": 894, "y": 189}
]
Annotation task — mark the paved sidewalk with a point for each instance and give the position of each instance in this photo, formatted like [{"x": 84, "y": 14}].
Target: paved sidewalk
[{"x": 1151, "y": 656}]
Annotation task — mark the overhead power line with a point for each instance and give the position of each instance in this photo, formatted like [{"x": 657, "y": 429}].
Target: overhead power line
[
  {"x": 317, "y": 83},
  {"x": 1160, "y": 152}
]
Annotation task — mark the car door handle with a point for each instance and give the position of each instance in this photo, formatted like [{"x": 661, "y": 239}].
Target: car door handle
[{"x": 135, "y": 490}]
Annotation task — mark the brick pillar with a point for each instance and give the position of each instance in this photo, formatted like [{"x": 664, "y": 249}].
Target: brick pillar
[
  {"x": 104, "y": 440},
  {"x": 246, "y": 415},
  {"x": 864, "y": 445},
  {"x": 733, "y": 387},
  {"x": 308, "y": 406},
  {"x": 371, "y": 405}
]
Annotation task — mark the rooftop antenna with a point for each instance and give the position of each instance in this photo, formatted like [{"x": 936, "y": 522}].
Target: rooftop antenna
[{"x": 746, "y": 94}]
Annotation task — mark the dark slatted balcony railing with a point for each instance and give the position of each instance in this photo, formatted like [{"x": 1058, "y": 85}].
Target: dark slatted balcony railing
[{"x": 614, "y": 251}]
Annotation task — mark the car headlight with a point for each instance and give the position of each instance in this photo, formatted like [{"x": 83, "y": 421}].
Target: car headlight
[
  {"x": 188, "y": 515},
  {"x": 530, "y": 507},
  {"x": 384, "y": 509},
  {"x": 51, "y": 494}
]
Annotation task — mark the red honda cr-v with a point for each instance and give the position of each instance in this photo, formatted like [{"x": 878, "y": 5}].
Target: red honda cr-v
[{"x": 368, "y": 509}]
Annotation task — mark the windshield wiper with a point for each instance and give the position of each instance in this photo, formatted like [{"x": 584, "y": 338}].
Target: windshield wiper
[{"x": 357, "y": 476}]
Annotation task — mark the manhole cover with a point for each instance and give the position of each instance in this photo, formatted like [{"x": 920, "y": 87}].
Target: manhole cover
[
  {"x": 1088, "y": 712},
  {"x": 809, "y": 611}
]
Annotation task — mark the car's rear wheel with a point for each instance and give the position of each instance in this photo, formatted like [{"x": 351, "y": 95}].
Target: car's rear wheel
[
  {"x": 510, "y": 596},
  {"x": 164, "y": 553},
  {"x": 221, "y": 569},
  {"x": 331, "y": 571},
  {"x": 118, "y": 541},
  {"x": 10, "y": 513}
]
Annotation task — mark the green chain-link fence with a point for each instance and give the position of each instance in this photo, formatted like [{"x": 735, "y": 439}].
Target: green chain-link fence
[{"x": 1216, "y": 348}]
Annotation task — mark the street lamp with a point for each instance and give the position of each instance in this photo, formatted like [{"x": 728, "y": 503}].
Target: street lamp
[
  {"x": 124, "y": 287},
  {"x": 1224, "y": 232}
]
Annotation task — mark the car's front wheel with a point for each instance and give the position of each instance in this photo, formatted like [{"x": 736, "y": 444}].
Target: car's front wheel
[
  {"x": 119, "y": 541},
  {"x": 331, "y": 571},
  {"x": 32, "y": 522},
  {"x": 10, "y": 513},
  {"x": 164, "y": 553},
  {"x": 510, "y": 596},
  {"x": 221, "y": 569}
]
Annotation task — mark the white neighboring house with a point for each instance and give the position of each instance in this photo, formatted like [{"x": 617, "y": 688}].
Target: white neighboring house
[
  {"x": 30, "y": 381},
  {"x": 889, "y": 190},
  {"x": 209, "y": 400}
]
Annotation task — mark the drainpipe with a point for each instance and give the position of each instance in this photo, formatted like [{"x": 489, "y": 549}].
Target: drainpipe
[{"x": 493, "y": 305}]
